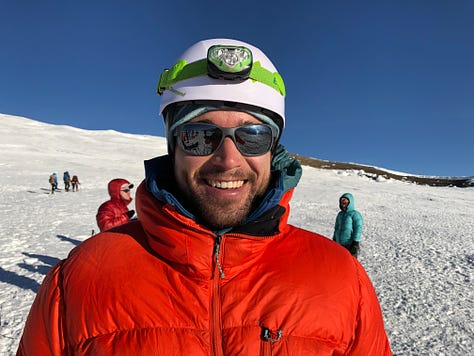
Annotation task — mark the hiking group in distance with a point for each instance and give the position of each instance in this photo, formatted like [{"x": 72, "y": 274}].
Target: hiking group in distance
[{"x": 68, "y": 182}]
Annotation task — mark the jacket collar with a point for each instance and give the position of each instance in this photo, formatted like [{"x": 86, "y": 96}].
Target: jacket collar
[
  {"x": 190, "y": 247},
  {"x": 172, "y": 233}
]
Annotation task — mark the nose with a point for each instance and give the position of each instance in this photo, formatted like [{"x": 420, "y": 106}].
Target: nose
[{"x": 227, "y": 155}]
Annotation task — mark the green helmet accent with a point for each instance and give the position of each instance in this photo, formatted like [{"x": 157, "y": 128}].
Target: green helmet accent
[{"x": 182, "y": 71}]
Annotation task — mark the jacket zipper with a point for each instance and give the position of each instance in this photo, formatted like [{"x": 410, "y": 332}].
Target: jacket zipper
[
  {"x": 216, "y": 326},
  {"x": 268, "y": 337}
]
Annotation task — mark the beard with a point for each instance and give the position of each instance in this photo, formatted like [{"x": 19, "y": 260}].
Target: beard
[{"x": 218, "y": 213}]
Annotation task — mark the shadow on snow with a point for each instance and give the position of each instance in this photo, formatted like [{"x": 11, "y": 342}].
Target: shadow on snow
[{"x": 44, "y": 264}]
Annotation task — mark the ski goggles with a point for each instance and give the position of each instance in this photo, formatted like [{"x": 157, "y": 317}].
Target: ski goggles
[
  {"x": 222, "y": 62},
  {"x": 203, "y": 139}
]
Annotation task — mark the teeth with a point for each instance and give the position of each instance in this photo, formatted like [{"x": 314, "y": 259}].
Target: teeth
[{"x": 226, "y": 185}]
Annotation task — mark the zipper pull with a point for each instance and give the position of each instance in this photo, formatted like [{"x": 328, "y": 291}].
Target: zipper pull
[
  {"x": 217, "y": 250},
  {"x": 271, "y": 336}
]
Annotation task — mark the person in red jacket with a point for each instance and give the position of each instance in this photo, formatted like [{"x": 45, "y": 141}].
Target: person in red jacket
[
  {"x": 211, "y": 266},
  {"x": 114, "y": 212}
]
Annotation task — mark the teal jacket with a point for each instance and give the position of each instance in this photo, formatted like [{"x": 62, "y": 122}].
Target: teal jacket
[{"x": 348, "y": 227}]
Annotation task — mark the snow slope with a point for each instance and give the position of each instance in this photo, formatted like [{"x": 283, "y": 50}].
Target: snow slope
[{"x": 417, "y": 244}]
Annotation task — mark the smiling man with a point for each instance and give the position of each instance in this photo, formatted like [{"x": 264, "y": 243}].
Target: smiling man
[
  {"x": 211, "y": 266},
  {"x": 221, "y": 187}
]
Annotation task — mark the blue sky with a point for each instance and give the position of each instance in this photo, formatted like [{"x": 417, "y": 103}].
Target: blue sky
[{"x": 384, "y": 83}]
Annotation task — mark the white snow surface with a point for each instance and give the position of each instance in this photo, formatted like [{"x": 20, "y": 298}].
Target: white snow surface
[{"x": 417, "y": 243}]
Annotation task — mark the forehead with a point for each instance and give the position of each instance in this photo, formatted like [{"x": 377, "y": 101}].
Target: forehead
[
  {"x": 227, "y": 118},
  {"x": 124, "y": 186}
]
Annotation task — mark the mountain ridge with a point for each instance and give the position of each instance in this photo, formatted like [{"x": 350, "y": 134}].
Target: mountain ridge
[{"x": 381, "y": 173}]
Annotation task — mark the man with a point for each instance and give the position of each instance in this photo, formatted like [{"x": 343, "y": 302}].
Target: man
[
  {"x": 53, "y": 182},
  {"x": 114, "y": 212},
  {"x": 348, "y": 226},
  {"x": 67, "y": 181},
  {"x": 75, "y": 183},
  {"x": 211, "y": 266}
]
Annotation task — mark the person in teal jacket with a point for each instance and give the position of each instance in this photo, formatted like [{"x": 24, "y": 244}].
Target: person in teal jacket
[{"x": 348, "y": 227}]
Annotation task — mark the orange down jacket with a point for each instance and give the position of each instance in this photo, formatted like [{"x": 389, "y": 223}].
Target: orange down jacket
[{"x": 164, "y": 285}]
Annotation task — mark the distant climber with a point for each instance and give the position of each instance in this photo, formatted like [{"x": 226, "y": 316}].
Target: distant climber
[
  {"x": 75, "y": 183},
  {"x": 53, "y": 180},
  {"x": 348, "y": 226},
  {"x": 67, "y": 181}
]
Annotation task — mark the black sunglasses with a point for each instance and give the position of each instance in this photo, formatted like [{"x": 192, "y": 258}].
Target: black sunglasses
[
  {"x": 125, "y": 190},
  {"x": 202, "y": 139}
]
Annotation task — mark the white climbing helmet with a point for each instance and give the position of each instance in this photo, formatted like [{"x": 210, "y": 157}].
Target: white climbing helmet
[{"x": 224, "y": 70}]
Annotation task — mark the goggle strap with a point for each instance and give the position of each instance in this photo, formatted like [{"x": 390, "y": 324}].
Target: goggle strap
[{"x": 182, "y": 71}]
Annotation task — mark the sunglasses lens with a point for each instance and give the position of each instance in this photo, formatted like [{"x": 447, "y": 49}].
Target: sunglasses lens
[
  {"x": 253, "y": 140},
  {"x": 199, "y": 139}
]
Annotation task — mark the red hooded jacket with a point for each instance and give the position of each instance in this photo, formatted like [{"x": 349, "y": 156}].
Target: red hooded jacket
[
  {"x": 114, "y": 211},
  {"x": 165, "y": 285}
]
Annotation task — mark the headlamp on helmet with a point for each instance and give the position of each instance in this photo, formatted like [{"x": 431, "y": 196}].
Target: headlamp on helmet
[
  {"x": 222, "y": 62},
  {"x": 229, "y": 62}
]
